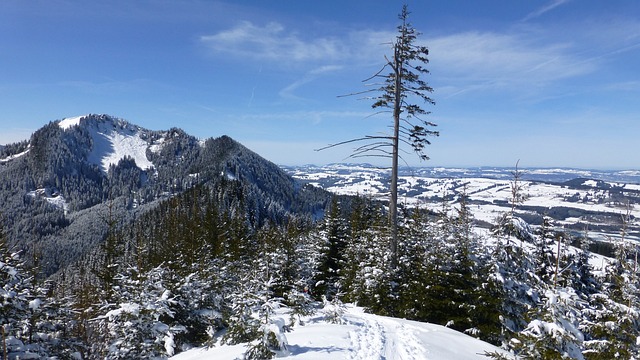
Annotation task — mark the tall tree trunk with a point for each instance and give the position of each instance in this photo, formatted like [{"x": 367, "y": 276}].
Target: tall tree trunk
[{"x": 393, "y": 203}]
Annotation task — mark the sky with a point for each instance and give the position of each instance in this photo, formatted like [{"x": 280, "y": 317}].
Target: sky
[{"x": 548, "y": 83}]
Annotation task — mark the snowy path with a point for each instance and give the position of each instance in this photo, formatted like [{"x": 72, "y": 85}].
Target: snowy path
[
  {"x": 364, "y": 337},
  {"x": 378, "y": 338}
]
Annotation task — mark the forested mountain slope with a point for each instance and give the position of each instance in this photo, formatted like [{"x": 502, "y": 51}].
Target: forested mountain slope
[{"x": 60, "y": 189}]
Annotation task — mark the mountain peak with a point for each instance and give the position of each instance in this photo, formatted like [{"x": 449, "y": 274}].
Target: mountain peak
[
  {"x": 112, "y": 140},
  {"x": 94, "y": 120},
  {"x": 66, "y": 123}
]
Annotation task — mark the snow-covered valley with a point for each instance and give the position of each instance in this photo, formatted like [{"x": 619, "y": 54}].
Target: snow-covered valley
[{"x": 577, "y": 200}]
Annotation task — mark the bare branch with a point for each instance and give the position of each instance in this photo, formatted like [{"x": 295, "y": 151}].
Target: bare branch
[{"x": 368, "y": 137}]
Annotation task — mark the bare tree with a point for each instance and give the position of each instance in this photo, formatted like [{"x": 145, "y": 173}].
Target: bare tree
[
  {"x": 518, "y": 197},
  {"x": 400, "y": 85}
]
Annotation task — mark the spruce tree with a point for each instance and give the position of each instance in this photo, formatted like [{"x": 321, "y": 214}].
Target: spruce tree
[
  {"x": 332, "y": 243},
  {"x": 14, "y": 299},
  {"x": 141, "y": 324}
]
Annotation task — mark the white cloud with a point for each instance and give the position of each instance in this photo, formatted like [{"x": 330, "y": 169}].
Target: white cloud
[
  {"x": 272, "y": 42},
  {"x": 316, "y": 115},
  {"x": 276, "y": 43},
  {"x": 325, "y": 69}
]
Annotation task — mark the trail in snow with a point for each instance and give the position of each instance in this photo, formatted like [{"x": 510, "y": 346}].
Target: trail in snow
[
  {"x": 367, "y": 339},
  {"x": 378, "y": 338}
]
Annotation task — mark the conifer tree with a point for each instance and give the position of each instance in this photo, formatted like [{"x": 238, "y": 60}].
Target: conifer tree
[
  {"x": 252, "y": 318},
  {"x": 402, "y": 85},
  {"x": 140, "y": 325},
  {"x": 413, "y": 267},
  {"x": 583, "y": 280},
  {"x": 111, "y": 249},
  {"x": 366, "y": 278},
  {"x": 614, "y": 319},
  {"x": 544, "y": 258},
  {"x": 554, "y": 331},
  {"x": 14, "y": 296},
  {"x": 474, "y": 289},
  {"x": 332, "y": 243}
]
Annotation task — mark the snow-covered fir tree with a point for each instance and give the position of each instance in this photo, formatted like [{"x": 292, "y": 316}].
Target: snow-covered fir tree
[
  {"x": 139, "y": 323},
  {"x": 554, "y": 331},
  {"x": 16, "y": 301}
]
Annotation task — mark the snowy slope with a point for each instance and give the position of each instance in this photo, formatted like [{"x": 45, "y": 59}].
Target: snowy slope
[
  {"x": 364, "y": 337},
  {"x": 113, "y": 139}
]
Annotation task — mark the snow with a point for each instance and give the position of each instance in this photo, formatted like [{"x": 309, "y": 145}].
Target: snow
[
  {"x": 364, "y": 337},
  {"x": 110, "y": 146},
  {"x": 113, "y": 139},
  {"x": 35, "y": 304},
  {"x": 591, "y": 183},
  {"x": 127, "y": 308},
  {"x": 490, "y": 196},
  {"x": 69, "y": 122},
  {"x": 156, "y": 147},
  {"x": 15, "y": 156},
  {"x": 52, "y": 197}
]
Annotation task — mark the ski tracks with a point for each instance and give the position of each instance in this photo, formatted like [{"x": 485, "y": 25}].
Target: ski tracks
[{"x": 375, "y": 338}]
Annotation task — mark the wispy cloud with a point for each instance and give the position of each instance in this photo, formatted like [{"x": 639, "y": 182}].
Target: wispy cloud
[
  {"x": 315, "y": 116},
  {"x": 626, "y": 86},
  {"x": 272, "y": 42},
  {"x": 112, "y": 85},
  {"x": 550, "y": 6},
  {"x": 289, "y": 90},
  {"x": 487, "y": 59}
]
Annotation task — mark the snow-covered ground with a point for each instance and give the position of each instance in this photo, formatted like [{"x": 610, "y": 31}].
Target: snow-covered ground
[
  {"x": 52, "y": 197},
  {"x": 364, "y": 336},
  {"x": 11, "y": 157}
]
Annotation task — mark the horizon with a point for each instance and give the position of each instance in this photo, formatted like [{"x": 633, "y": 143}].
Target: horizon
[
  {"x": 551, "y": 84},
  {"x": 347, "y": 162}
]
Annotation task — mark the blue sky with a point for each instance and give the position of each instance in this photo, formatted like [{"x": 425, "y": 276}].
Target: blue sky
[{"x": 550, "y": 82}]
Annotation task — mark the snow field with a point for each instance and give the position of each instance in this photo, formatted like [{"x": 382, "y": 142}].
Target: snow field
[
  {"x": 112, "y": 141},
  {"x": 364, "y": 337}
]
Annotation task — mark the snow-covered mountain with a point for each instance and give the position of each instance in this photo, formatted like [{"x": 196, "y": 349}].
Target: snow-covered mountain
[
  {"x": 59, "y": 186},
  {"x": 168, "y": 243}
]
